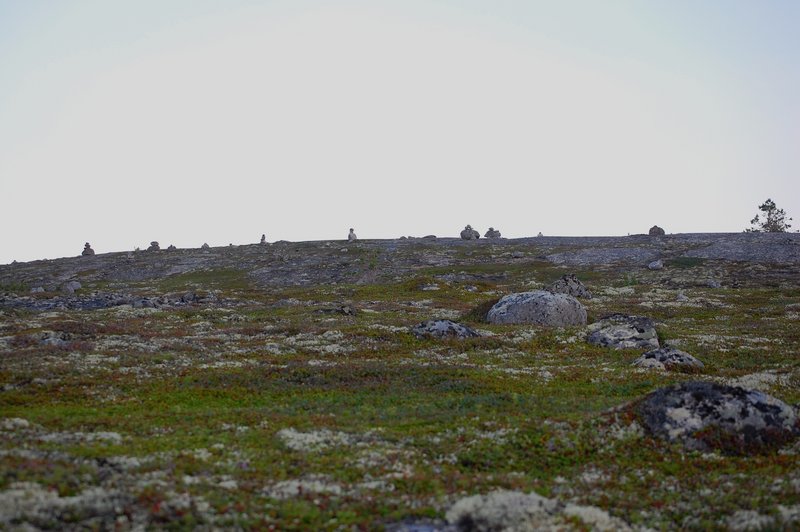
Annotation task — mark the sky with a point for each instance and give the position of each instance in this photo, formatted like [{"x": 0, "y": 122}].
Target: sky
[{"x": 195, "y": 121}]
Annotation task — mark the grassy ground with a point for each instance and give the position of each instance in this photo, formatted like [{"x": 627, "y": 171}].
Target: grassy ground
[{"x": 280, "y": 411}]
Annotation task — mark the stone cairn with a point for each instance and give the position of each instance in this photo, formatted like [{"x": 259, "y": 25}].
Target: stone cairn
[
  {"x": 656, "y": 231},
  {"x": 469, "y": 233},
  {"x": 205, "y": 246},
  {"x": 352, "y": 236},
  {"x": 492, "y": 233},
  {"x": 171, "y": 248},
  {"x": 263, "y": 240},
  {"x": 87, "y": 250},
  {"x": 154, "y": 246}
]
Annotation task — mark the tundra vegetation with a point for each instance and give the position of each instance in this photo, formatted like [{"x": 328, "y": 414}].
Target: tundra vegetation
[{"x": 281, "y": 386}]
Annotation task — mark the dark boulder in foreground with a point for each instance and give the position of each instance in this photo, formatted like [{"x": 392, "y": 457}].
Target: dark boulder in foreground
[
  {"x": 669, "y": 358},
  {"x": 538, "y": 308},
  {"x": 442, "y": 329},
  {"x": 624, "y": 332},
  {"x": 706, "y": 416}
]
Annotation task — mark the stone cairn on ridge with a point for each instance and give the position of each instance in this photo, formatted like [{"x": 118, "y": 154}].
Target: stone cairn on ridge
[
  {"x": 351, "y": 237},
  {"x": 469, "y": 233},
  {"x": 87, "y": 250},
  {"x": 492, "y": 233},
  {"x": 154, "y": 246},
  {"x": 656, "y": 231}
]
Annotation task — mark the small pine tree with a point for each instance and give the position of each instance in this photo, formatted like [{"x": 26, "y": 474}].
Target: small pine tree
[{"x": 771, "y": 220}]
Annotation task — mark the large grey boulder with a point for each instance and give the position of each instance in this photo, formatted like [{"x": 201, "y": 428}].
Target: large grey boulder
[
  {"x": 442, "y": 329},
  {"x": 570, "y": 285},
  {"x": 669, "y": 358},
  {"x": 539, "y": 308},
  {"x": 620, "y": 331},
  {"x": 707, "y": 416},
  {"x": 656, "y": 231},
  {"x": 470, "y": 234}
]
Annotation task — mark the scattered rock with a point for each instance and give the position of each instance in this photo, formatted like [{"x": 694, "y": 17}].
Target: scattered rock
[
  {"x": 153, "y": 246},
  {"x": 429, "y": 237},
  {"x": 171, "y": 248},
  {"x": 514, "y": 511},
  {"x": 669, "y": 358},
  {"x": 517, "y": 255},
  {"x": 70, "y": 287},
  {"x": 351, "y": 237},
  {"x": 569, "y": 284},
  {"x": 681, "y": 297},
  {"x": 707, "y": 416},
  {"x": 87, "y": 250},
  {"x": 502, "y": 510},
  {"x": 470, "y": 234},
  {"x": 656, "y": 231},
  {"x": 713, "y": 283},
  {"x": 623, "y": 332},
  {"x": 492, "y": 233},
  {"x": 205, "y": 246},
  {"x": 656, "y": 265},
  {"x": 442, "y": 329},
  {"x": 37, "y": 290},
  {"x": 538, "y": 307}
]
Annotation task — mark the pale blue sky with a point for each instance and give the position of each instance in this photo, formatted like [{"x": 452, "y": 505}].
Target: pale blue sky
[{"x": 208, "y": 121}]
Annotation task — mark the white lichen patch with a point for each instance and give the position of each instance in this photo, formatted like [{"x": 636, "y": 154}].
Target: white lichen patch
[
  {"x": 286, "y": 489},
  {"x": 762, "y": 381},
  {"x": 314, "y": 440}
]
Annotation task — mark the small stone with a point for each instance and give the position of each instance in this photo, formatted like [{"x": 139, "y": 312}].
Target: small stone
[
  {"x": 681, "y": 297},
  {"x": 442, "y": 329},
  {"x": 620, "y": 331},
  {"x": 37, "y": 290},
  {"x": 656, "y": 231},
  {"x": 470, "y": 234},
  {"x": 153, "y": 246},
  {"x": 517, "y": 255},
  {"x": 87, "y": 250},
  {"x": 655, "y": 265},
  {"x": 351, "y": 237},
  {"x": 669, "y": 358},
  {"x": 492, "y": 233},
  {"x": 70, "y": 287},
  {"x": 713, "y": 283},
  {"x": 569, "y": 284}
]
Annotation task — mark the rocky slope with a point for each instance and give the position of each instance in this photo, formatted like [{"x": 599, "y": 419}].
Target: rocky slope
[{"x": 307, "y": 386}]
